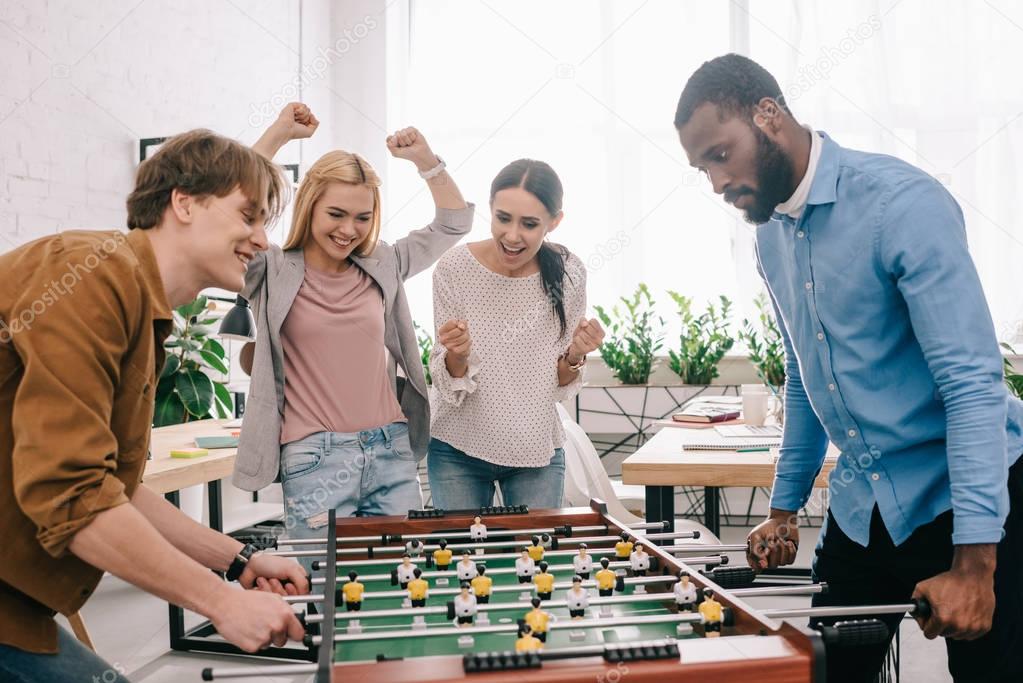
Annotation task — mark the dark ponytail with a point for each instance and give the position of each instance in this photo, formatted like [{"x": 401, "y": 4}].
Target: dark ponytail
[{"x": 540, "y": 180}]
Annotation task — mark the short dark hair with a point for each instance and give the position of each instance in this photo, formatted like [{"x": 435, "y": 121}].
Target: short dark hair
[{"x": 732, "y": 82}]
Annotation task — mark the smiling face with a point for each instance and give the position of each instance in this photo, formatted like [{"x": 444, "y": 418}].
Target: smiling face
[
  {"x": 519, "y": 223},
  {"x": 744, "y": 164},
  {"x": 341, "y": 219},
  {"x": 225, "y": 233}
]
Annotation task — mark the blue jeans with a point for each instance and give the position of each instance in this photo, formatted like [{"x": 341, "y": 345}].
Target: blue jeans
[
  {"x": 459, "y": 481},
  {"x": 73, "y": 662},
  {"x": 372, "y": 472}
]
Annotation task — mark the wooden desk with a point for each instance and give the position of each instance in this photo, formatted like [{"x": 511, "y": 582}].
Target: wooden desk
[
  {"x": 165, "y": 474},
  {"x": 660, "y": 465}
]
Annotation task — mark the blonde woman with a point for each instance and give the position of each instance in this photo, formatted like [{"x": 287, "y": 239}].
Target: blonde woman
[{"x": 325, "y": 412}]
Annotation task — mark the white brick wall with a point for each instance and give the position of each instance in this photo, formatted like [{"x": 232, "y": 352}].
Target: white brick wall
[{"x": 82, "y": 82}]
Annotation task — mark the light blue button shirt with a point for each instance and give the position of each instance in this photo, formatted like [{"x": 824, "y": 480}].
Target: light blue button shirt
[{"x": 891, "y": 354}]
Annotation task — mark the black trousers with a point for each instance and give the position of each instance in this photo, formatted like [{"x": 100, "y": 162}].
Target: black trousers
[{"x": 885, "y": 573}]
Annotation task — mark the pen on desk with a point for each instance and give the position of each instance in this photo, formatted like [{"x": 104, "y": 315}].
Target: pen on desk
[{"x": 752, "y": 450}]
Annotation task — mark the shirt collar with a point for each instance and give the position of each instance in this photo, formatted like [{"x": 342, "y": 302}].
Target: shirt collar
[
  {"x": 823, "y": 180},
  {"x": 793, "y": 206}
]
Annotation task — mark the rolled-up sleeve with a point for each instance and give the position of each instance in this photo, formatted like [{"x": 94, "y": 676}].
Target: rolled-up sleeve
[{"x": 71, "y": 348}]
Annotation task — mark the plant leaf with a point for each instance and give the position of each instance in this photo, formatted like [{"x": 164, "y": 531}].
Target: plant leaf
[
  {"x": 170, "y": 366},
  {"x": 168, "y": 410},
  {"x": 196, "y": 391},
  {"x": 214, "y": 362}
]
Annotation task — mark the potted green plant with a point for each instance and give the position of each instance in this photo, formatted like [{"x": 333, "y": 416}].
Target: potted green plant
[
  {"x": 764, "y": 345},
  {"x": 704, "y": 340},
  {"x": 633, "y": 337},
  {"x": 1013, "y": 379},
  {"x": 425, "y": 349},
  {"x": 186, "y": 391}
]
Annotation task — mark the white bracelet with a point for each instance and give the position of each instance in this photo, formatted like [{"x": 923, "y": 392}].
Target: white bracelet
[{"x": 435, "y": 171}]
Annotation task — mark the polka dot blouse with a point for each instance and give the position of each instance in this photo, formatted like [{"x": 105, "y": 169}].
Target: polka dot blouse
[{"x": 503, "y": 409}]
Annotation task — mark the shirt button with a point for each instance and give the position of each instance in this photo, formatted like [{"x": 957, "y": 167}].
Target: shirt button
[
  {"x": 809, "y": 285},
  {"x": 875, "y": 476},
  {"x": 831, "y": 387},
  {"x": 800, "y": 234},
  {"x": 820, "y": 336},
  {"x": 852, "y": 432}
]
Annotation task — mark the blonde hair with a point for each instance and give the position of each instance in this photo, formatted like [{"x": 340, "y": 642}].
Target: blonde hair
[{"x": 334, "y": 167}]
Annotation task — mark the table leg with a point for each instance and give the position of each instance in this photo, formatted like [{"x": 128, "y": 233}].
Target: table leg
[
  {"x": 660, "y": 504},
  {"x": 216, "y": 506},
  {"x": 711, "y": 509}
]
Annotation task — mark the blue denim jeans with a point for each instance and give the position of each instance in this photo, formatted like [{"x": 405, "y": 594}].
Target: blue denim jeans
[
  {"x": 372, "y": 472},
  {"x": 459, "y": 481},
  {"x": 73, "y": 662}
]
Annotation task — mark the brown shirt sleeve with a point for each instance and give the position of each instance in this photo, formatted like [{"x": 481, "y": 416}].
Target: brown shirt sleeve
[{"x": 65, "y": 451}]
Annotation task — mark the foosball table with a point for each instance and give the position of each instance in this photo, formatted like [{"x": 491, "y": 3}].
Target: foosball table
[{"x": 569, "y": 595}]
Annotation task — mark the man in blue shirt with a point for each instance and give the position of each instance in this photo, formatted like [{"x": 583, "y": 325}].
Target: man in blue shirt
[{"x": 891, "y": 355}]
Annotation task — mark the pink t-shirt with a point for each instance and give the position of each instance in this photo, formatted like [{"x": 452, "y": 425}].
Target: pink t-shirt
[{"x": 335, "y": 361}]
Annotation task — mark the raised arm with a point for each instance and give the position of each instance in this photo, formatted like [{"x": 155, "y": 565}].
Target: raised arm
[
  {"x": 295, "y": 122},
  {"x": 453, "y": 218}
]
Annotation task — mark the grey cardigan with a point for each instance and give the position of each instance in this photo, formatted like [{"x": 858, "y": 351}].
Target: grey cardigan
[{"x": 271, "y": 283}]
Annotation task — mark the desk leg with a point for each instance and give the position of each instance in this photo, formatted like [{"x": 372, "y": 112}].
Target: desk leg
[
  {"x": 176, "y": 615},
  {"x": 711, "y": 509},
  {"x": 660, "y": 504},
  {"x": 216, "y": 506}
]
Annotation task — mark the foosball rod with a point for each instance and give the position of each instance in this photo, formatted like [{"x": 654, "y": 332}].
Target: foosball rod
[
  {"x": 601, "y": 623},
  {"x": 595, "y": 602},
  {"x": 396, "y": 549},
  {"x": 400, "y": 538},
  {"x": 450, "y": 572},
  {"x": 697, "y": 548},
  {"x": 521, "y": 588},
  {"x": 918, "y": 608},
  {"x": 210, "y": 674},
  {"x": 595, "y": 552}
]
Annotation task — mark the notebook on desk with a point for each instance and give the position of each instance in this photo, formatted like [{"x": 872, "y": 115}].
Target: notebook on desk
[{"x": 720, "y": 443}]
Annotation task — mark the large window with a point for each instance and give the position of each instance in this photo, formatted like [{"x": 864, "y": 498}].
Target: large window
[{"x": 591, "y": 88}]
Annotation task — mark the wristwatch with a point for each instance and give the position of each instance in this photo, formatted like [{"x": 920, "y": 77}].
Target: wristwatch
[
  {"x": 435, "y": 171},
  {"x": 573, "y": 367},
  {"x": 240, "y": 561}
]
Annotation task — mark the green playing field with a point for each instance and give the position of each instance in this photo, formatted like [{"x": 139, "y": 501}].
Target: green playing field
[{"x": 416, "y": 644}]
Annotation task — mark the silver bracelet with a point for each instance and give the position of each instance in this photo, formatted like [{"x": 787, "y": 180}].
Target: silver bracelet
[{"x": 435, "y": 171}]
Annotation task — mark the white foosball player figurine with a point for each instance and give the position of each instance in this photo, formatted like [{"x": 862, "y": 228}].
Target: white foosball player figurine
[
  {"x": 583, "y": 562},
  {"x": 478, "y": 530},
  {"x": 466, "y": 568}
]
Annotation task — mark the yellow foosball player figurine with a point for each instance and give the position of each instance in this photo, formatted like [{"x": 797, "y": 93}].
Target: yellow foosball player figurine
[
  {"x": 353, "y": 591},
  {"x": 537, "y": 620},
  {"x": 606, "y": 579},
  {"x": 526, "y": 641},
  {"x": 544, "y": 582},
  {"x": 482, "y": 585},
  {"x": 710, "y": 610},
  {"x": 535, "y": 550},
  {"x": 442, "y": 556},
  {"x": 418, "y": 589},
  {"x": 623, "y": 548}
]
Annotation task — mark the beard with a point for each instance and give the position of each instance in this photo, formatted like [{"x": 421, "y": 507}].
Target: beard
[{"x": 775, "y": 180}]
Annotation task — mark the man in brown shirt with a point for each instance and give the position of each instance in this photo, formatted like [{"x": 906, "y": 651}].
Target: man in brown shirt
[{"x": 83, "y": 319}]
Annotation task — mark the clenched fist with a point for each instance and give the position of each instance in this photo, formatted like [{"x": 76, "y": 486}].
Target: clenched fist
[
  {"x": 409, "y": 143},
  {"x": 588, "y": 337},
  {"x": 454, "y": 336},
  {"x": 296, "y": 121}
]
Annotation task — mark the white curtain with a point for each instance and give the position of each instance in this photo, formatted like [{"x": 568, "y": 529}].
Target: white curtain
[{"x": 591, "y": 88}]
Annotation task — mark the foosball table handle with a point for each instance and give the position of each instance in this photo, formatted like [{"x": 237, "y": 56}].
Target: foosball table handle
[
  {"x": 922, "y": 609},
  {"x": 855, "y": 633},
  {"x": 732, "y": 577}
]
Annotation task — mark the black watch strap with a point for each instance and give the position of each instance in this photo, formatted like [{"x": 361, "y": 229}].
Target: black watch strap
[{"x": 240, "y": 561}]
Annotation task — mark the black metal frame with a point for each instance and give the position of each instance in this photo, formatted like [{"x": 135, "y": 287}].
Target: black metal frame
[
  {"x": 197, "y": 639},
  {"x": 640, "y": 433}
]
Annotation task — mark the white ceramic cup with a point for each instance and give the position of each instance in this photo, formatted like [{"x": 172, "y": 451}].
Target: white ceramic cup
[{"x": 754, "y": 404}]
